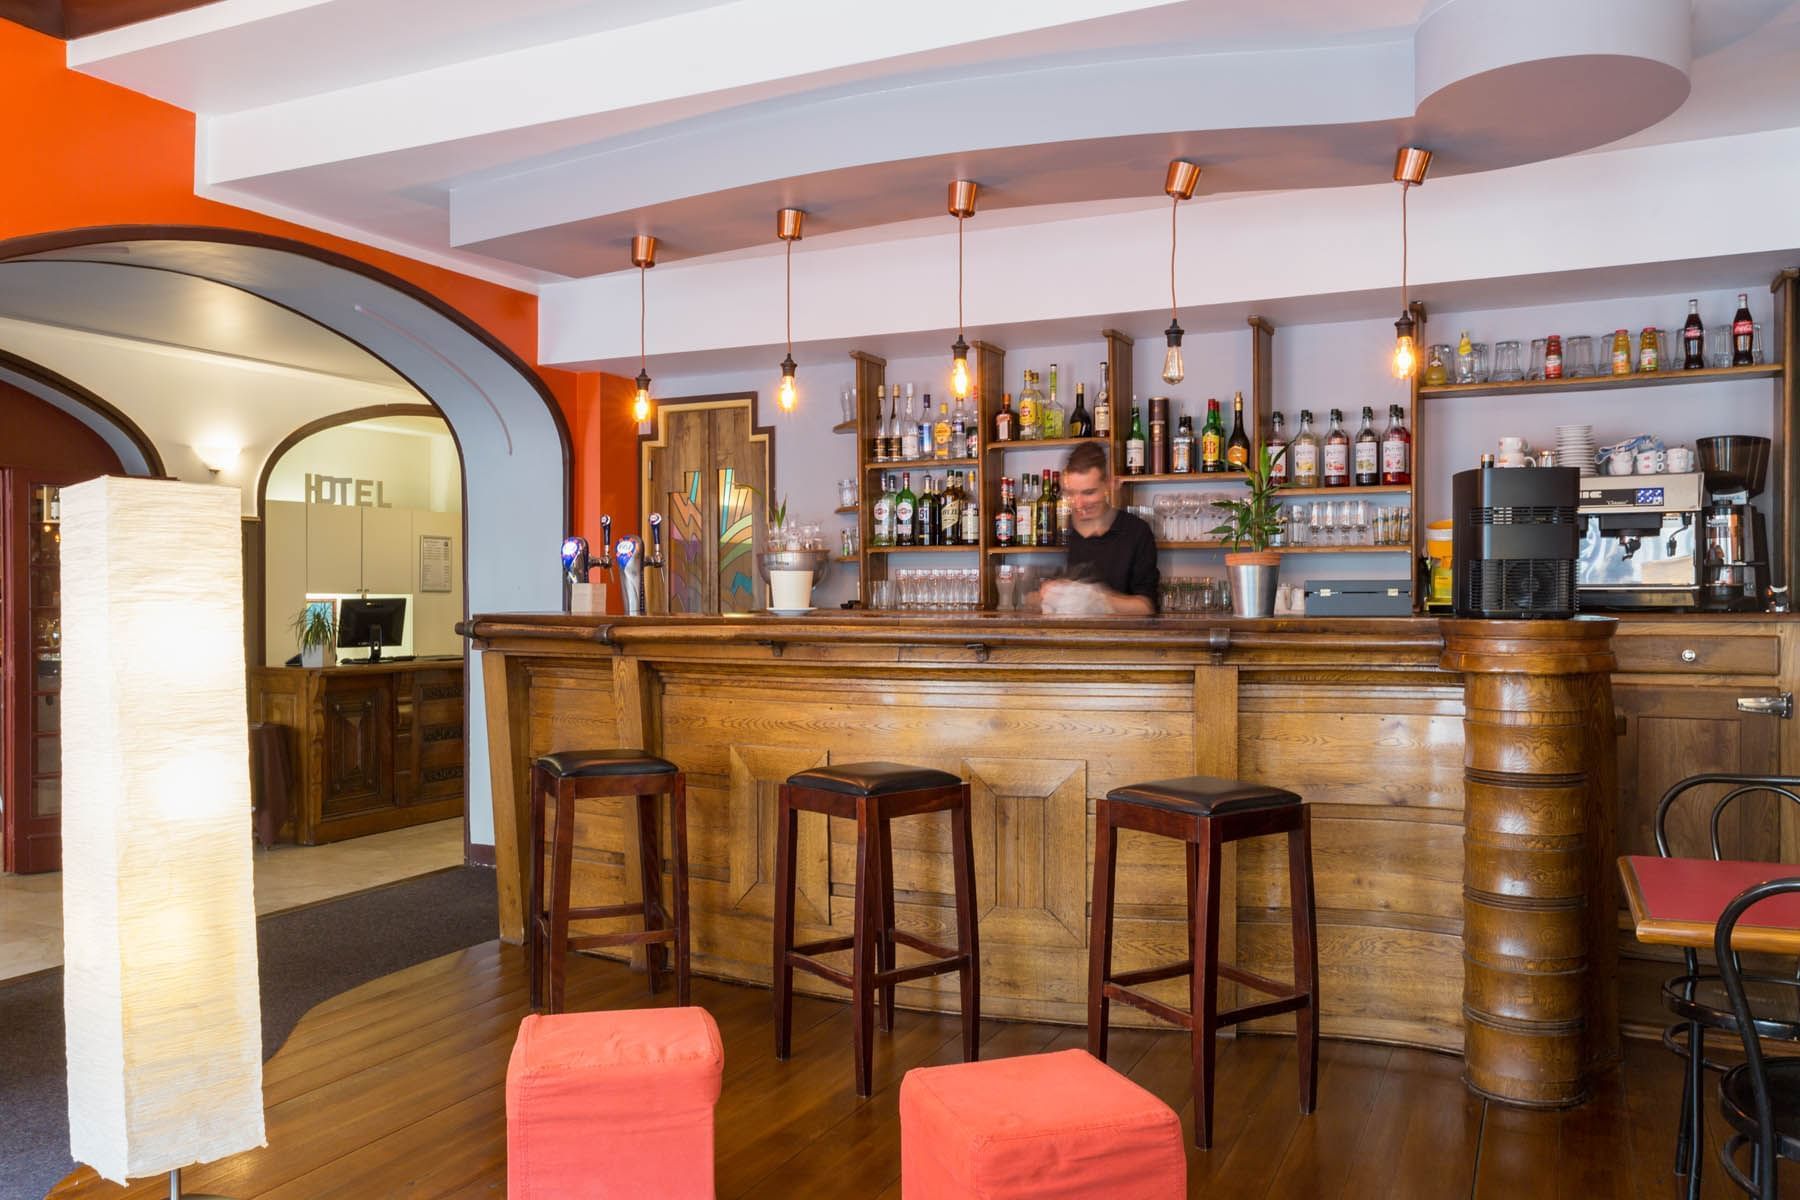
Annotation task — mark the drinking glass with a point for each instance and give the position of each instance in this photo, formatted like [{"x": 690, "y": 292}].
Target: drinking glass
[
  {"x": 1163, "y": 507},
  {"x": 1718, "y": 346},
  {"x": 1756, "y": 345},
  {"x": 1359, "y": 516},
  {"x": 1205, "y": 597},
  {"x": 1321, "y": 523},
  {"x": 849, "y": 408},
  {"x": 1506, "y": 362},
  {"x": 881, "y": 594},
  {"x": 1403, "y": 533},
  {"x": 1482, "y": 363},
  {"x": 1537, "y": 358},
  {"x": 1578, "y": 357},
  {"x": 1004, "y": 587},
  {"x": 846, "y": 493}
]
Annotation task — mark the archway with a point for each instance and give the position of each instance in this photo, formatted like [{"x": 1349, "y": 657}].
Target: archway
[{"x": 510, "y": 433}]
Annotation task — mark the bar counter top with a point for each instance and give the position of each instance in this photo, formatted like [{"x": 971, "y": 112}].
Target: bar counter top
[{"x": 1460, "y": 776}]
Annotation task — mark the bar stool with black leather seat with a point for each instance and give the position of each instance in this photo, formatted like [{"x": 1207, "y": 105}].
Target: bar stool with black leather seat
[
  {"x": 873, "y": 794},
  {"x": 573, "y": 775},
  {"x": 1206, "y": 813}
]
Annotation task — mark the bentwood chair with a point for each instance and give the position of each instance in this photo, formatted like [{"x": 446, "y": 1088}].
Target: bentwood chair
[
  {"x": 1760, "y": 1097},
  {"x": 1665, "y": 889}
]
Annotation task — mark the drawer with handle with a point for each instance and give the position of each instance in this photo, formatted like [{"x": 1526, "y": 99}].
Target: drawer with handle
[{"x": 1756, "y": 654}]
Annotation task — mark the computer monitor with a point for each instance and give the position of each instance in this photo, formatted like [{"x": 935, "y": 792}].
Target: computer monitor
[{"x": 372, "y": 622}]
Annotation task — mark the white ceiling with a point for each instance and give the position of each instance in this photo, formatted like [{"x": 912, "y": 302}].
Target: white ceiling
[{"x": 528, "y": 141}]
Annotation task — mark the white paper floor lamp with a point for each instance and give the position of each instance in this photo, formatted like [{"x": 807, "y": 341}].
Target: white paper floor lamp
[{"x": 159, "y": 919}]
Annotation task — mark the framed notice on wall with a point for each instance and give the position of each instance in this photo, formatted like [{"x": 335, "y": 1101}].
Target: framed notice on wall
[{"x": 434, "y": 562}]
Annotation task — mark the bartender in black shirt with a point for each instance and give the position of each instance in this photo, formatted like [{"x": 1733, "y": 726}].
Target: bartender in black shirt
[{"x": 1108, "y": 547}]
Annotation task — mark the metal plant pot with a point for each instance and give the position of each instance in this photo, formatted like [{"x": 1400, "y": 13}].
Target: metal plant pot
[{"x": 1254, "y": 576}]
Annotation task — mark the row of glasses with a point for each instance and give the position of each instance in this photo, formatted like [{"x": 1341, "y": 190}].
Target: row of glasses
[
  {"x": 1345, "y": 523},
  {"x": 1185, "y": 516},
  {"x": 1195, "y": 594},
  {"x": 937, "y": 588}
]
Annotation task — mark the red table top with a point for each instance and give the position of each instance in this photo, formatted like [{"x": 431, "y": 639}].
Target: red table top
[{"x": 1677, "y": 901}]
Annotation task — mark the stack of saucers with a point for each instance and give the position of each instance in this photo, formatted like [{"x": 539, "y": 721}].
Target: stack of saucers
[{"x": 1575, "y": 448}]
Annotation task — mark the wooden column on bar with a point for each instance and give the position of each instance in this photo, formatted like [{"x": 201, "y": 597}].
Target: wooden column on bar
[
  {"x": 1262, "y": 375},
  {"x": 871, "y": 373},
  {"x": 1119, "y": 385},
  {"x": 1782, "y": 345},
  {"x": 1539, "y": 925},
  {"x": 989, "y": 381}
]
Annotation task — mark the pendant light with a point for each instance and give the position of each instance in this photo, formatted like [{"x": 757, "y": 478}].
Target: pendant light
[
  {"x": 1179, "y": 184},
  {"x": 787, "y": 228},
  {"x": 1410, "y": 165},
  {"x": 643, "y": 257},
  {"x": 962, "y": 206}
]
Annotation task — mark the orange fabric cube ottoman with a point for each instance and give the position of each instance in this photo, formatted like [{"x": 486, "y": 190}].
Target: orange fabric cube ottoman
[
  {"x": 613, "y": 1105},
  {"x": 1059, "y": 1126}
]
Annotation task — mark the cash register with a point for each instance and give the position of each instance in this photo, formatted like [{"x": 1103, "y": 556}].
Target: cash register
[{"x": 1639, "y": 535}]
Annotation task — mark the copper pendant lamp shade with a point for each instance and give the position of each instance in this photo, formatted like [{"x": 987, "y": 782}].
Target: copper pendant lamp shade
[
  {"x": 1410, "y": 165},
  {"x": 1182, "y": 179}
]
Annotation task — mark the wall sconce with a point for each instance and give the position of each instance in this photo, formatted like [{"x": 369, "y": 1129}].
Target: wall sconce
[
  {"x": 962, "y": 206},
  {"x": 1179, "y": 185},
  {"x": 643, "y": 257},
  {"x": 787, "y": 227},
  {"x": 1410, "y": 165},
  {"x": 161, "y": 1005},
  {"x": 218, "y": 456}
]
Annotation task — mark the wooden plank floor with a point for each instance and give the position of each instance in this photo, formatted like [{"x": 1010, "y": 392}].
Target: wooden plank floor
[{"x": 396, "y": 1089}]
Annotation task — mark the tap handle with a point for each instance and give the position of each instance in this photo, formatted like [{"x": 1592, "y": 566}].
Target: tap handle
[
  {"x": 605, "y": 561},
  {"x": 656, "y": 556}
]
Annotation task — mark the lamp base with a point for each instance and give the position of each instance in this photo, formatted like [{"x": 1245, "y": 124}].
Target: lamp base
[{"x": 175, "y": 1192}]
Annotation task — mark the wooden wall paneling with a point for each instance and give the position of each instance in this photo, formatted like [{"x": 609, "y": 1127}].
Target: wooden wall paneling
[
  {"x": 1216, "y": 733},
  {"x": 503, "y": 686},
  {"x": 756, "y": 776},
  {"x": 387, "y": 550},
  {"x": 333, "y": 548},
  {"x": 284, "y": 578}
]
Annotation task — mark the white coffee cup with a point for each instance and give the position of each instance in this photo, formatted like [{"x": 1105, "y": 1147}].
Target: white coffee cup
[
  {"x": 1681, "y": 459},
  {"x": 1619, "y": 462},
  {"x": 1651, "y": 462},
  {"x": 1511, "y": 445}
]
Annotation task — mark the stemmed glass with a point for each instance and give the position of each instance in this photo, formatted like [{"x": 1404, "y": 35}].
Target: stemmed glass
[
  {"x": 1359, "y": 517},
  {"x": 1164, "y": 507}
]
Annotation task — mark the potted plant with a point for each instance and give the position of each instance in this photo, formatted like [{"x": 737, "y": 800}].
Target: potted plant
[
  {"x": 1254, "y": 521},
  {"x": 315, "y": 629},
  {"x": 793, "y": 562}
]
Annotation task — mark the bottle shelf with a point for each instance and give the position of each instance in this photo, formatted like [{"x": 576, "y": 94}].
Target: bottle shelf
[
  {"x": 1380, "y": 489},
  {"x": 847, "y": 508},
  {"x": 922, "y": 549},
  {"x": 847, "y": 558},
  {"x": 1026, "y": 549},
  {"x": 921, "y": 464},
  {"x": 1597, "y": 383},
  {"x": 844, "y": 427},
  {"x": 1222, "y": 545},
  {"x": 1044, "y": 444},
  {"x": 1190, "y": 477}
]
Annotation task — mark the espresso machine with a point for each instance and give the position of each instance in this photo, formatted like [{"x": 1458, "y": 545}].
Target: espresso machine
[
  {"x": 627, "y": 554},
  {"x": 1735, "y": 567},
  {"x": 1641, "y": 537}
]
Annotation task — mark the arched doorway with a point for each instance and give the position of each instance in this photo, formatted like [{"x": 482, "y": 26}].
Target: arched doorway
[{"x": 514, "y": 443}]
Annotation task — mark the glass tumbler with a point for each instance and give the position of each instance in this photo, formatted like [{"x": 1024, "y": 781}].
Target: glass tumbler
[
  {"x": 846, "y": 493},
  {"x": 1506, "y": 362},
  {"x": 1578, "y": 357},
  {"x": 1483, "y": 366},
  {"x": 1537, "y": 359}
]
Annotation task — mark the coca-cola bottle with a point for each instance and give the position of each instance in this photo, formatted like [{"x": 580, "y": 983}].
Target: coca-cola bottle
[
  {"x": 1743, "y": 334},
  {"x": 1693, "y": 340}
]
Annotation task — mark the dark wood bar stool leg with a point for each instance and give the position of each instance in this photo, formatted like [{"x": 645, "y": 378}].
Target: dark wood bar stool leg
[
  {"x": 884, "y": 923},
  {"x": 562, "y": 864},
  {"x": 535, "y": 941},
  {"x": 1306, "y": 958},
  {"x": 678, "y": 838},
  {"x": 787, "y": 835},
  {"x": 962, "y": 860},
  {"x": 1100, "y": 930},
  {"x": 1203, "y": 989},
  {"x": 650, "y": 880},
  {"x": 862, "y": 952}
]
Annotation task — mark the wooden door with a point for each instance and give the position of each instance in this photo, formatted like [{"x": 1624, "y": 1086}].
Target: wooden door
[
  {"x": 707, "y": 469},
  {"x": 359, "y": 746}
]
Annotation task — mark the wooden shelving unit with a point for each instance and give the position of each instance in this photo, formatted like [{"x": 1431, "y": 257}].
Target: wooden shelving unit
[
  {"x": 844, "y": 427},
  {"x": 1601, "y": 383},
  {"x": 1043, "y": 444},
  {"x": 923, "y": 464}
]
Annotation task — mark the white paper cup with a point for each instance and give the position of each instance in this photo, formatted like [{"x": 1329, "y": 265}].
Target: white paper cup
[
  {"x": 790, "y": 589},
  {"x": 1681, "y": 460}
]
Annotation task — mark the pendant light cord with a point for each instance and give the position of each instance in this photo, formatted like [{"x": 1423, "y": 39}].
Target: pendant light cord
[
  {"x": 1405, "y": 309},
  {"x": 790, "y": 297},
  {"x": 642, "y": 368},
  {"x": 959, "y": 275},
  {"x": 1174, "y": 207}
]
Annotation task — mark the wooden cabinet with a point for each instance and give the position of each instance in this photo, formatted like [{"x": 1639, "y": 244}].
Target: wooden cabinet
[
  {"x": 387, "y": 550},
  {"x": 373, "y": 748},
  {"x": 333, "y": 549}
]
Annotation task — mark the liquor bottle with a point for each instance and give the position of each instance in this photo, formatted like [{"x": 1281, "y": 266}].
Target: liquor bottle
[
  {"x": 1046, "y": 513},
  {"x": 878, "y": 451},
  {"x": 1030, "y": 399},
  {"x": 1050, "y": 415},
  {"x": 1693, "y": 340},
  {"x": 940, "y": 432},
  {"x": 971, "y": 521},
  {"x": 925, "y": 427},
  {"x": 1065, "y": 519},
  {"x": 925, "y": 516},
  {"x": 1396, "y": 449},
  {"x": 1337, "y": 452},
  {"x": 881, "y": 533},
  {"x": 1103, "y": 407},
  {"x": 894, "y": 431},
  {"x": 1181, "y": 453},
  {"x": 1003, "y": 420},
  {"x": 1158, "y": 447},
  {"x": 972, "y": 431},
  {"x": 1237, "y": 447},
  {"x": 1134, "y": 445},
  {"x": 1743, "y": 334},
  {"x": 950, "y": 510},
  {"x": 909, "y": 430},
  {"x": 1305, "y": 454},
  {"x": 1080, "y": 424},
  {"x": 1279, "y": 464},
  {"x": 1025, "y": 513},
  {"x": 1367, "y": 461},
  {"x": 1212, "y": 440},
  {"x": 904, "y": 504},
  {"x": 1004, "y": 516},
  {"x": 959, "y": 432}
]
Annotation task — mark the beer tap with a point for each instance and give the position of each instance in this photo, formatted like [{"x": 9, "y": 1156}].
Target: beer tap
[
  {"x": 605, "y": 562},
  {"x": 629, "y": 556},
  {"x": 578, "y": 563}
]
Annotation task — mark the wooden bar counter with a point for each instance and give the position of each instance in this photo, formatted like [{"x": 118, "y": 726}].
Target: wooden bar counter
[{"x": 1461, "y": 775}]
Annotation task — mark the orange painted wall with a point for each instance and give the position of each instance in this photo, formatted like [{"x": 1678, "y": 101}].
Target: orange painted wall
[{"x": 83, "y": 152}]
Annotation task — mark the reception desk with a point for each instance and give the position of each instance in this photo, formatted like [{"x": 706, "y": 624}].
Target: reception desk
[
  {"x": 372, "y": 747},
  {"x": 1460, "y": 773}
]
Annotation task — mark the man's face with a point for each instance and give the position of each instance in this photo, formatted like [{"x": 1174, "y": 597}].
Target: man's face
[{"x": 1087, "y": 492}]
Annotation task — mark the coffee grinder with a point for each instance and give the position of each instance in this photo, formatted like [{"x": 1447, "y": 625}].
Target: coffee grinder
[{"x": 1734, "y": 576}]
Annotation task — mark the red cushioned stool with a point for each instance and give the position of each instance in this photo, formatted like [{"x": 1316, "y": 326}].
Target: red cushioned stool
[
  {"x": 1046, "y": 1126},
  {"x": 613, "y": 1105}
]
